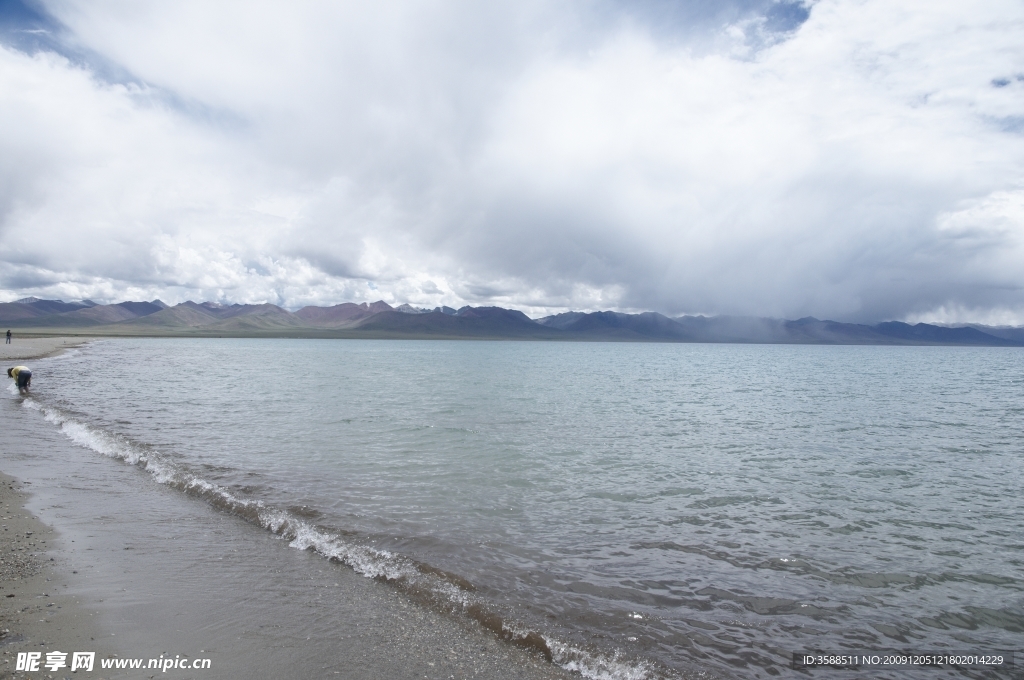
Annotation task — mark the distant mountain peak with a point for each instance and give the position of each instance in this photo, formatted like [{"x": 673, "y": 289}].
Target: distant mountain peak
[{"x": 379, "y": 319}]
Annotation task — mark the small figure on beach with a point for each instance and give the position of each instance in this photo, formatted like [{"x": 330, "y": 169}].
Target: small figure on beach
[
  {"x": 8, "y": 336},
  {"x": 22, "y": 375}
]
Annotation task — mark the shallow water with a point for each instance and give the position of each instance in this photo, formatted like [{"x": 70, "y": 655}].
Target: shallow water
[{"x": 638, "y": 509}]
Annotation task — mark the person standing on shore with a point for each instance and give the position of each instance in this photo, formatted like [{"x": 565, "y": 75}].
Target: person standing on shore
[
  {"x": 8, "y": 336},
  {"x": 22, "y": 376}
]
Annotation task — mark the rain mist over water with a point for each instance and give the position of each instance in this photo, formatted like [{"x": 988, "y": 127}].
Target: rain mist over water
[{"x": 641, "y": 508}]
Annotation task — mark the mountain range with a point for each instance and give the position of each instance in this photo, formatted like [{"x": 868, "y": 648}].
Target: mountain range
[{"x": 381, "y": 320}]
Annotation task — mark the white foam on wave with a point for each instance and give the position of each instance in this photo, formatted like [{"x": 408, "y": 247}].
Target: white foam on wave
[
  {"x": 597, "y": 666},
  {"x": 68, "y": 353},
  {"x": 83, "y": 435},
  {"x": 365, "y": 560}
]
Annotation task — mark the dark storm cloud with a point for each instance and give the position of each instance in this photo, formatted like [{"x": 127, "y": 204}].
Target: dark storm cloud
[{"x": 848, "y": 160}]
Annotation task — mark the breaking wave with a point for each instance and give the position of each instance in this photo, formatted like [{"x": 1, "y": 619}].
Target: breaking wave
[{"x": 426, "y": 584}]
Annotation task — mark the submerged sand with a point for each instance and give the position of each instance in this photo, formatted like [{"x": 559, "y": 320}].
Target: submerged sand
[{"x": 122, "y": 567}]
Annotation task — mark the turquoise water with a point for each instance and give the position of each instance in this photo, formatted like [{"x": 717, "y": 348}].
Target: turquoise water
[{"x": 643, "y": 509}]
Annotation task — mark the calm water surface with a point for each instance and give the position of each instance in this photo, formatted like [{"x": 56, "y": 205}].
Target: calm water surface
[{"x": 642, "y": 509}]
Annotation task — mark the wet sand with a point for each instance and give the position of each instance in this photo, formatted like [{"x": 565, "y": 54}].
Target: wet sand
[
  {"x": 36, "y": 348},
  {"x": 37, "y": 613},
  {"x": 138, "y": 570}
]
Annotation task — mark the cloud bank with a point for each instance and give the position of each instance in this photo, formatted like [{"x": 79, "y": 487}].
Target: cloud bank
[{"x": 860, "y": 160}]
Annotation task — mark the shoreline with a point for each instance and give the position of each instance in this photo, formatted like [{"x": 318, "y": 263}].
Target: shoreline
[
  {"x": 91, "y": 568},
  {"x": 37, "y": 613},
  {"x": 27, "y": 347}
]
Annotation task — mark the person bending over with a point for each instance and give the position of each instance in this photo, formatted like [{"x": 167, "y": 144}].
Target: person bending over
[{"x": 22, "y": 375}]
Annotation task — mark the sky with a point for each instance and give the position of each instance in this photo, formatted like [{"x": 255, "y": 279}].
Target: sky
[{"x": 857, "y": 160}]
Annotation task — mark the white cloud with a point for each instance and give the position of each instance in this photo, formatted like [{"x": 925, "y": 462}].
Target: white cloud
[{"x": 864, "y": 166}]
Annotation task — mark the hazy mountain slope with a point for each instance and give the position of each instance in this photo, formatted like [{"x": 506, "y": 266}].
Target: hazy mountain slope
[
  {"x": 230, "y": 311},
  {"x": 92, "y": 316},
  {"x": 37, "y": 313},
  {"x": 340, "y": 316},
  {"x": 733, "y": 328},
  {"x": 562, "y": 320},
  {"x": 55, "y": 306},
  {"x": 257, "y": 318},
  {"x": 189, "y": 316},
  {"x": 186, "y": 315},
  {"x": 616, "y": 325},
  {"x": 468, "y": 322},
  {"x": 929, "y": 334},
  {"x": 1005, "y": 332},
  {"x": 814, "y": 331},
  {"x": 34, "y": 308},
  {"x": 82, "y": 318},
  {"x": 379, "y": 319},
  {"x": 14, "y": 312},
  {"x": 143, "y": 308},
  {"x": 379, "y": 306}
]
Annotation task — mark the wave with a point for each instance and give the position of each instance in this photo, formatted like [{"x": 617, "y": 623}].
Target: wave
[{"x": 424, "y": 583}]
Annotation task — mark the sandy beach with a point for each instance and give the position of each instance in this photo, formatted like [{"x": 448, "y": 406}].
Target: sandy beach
[
  {"x": 37, "y": 614},
  {"x": 24, "y": 348},
  {"x": 117, "y": 593}
]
